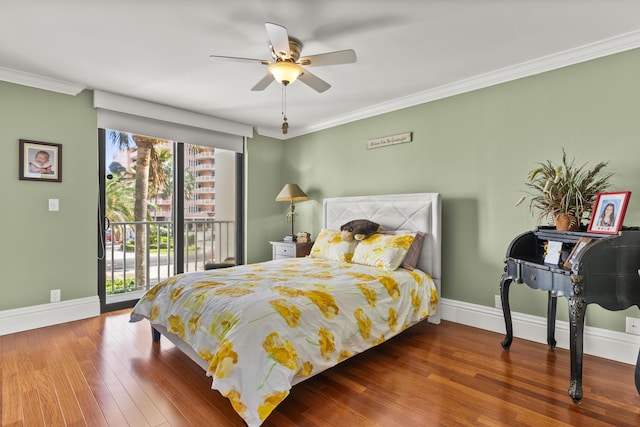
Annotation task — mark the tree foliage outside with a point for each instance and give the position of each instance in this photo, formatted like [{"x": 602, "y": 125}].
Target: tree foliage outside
[
  {"x": 120, "y": 199},
  {"x": 136, "y": 191},
  {"x": 148, "y": 173}
]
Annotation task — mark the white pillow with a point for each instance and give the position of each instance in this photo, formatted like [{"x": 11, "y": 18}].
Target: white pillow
[
  {"x": 385, "y": 251},
  {"x": 410, "y": 261},
  {"x": 329, "y": 245}
]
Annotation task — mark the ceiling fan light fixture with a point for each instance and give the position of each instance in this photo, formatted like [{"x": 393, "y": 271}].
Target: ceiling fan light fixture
[{"x": 285, "y": 72}]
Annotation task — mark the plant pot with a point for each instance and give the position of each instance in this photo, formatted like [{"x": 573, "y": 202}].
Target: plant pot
[{"x": 566, "y": 222}]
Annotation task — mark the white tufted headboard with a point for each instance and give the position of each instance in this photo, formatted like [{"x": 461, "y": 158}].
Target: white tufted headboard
[{"x": 415, "y": 212}]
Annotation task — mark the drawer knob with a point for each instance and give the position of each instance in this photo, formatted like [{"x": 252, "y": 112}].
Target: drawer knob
[{"x": 533, "y": 277}]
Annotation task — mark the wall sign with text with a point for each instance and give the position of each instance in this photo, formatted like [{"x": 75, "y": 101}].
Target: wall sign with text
[{"x": 389, "y": 140}]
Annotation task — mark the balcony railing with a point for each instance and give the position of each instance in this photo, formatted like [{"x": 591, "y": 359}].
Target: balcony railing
[
  {"x": 206, "y": 155},
  {"x": 206, "y": 190},
  {"x": 205, "y": 167},
  {"x": 205, "y": 201},
  {"x": 205, "y": 240},
  {"x": 206, "y": 178}
]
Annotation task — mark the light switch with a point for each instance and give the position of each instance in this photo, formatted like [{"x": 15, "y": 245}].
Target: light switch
[{"x": 54, "y": 205}]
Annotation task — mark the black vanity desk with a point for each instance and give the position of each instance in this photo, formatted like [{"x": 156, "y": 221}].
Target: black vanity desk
[{"x": 604, "y": 272}]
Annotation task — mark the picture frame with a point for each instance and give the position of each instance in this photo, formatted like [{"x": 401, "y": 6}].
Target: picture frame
[
  {"x": 40, "y": 161},
  {"x": 577, "y": 248},
  {"x": 608, "y": 212}
]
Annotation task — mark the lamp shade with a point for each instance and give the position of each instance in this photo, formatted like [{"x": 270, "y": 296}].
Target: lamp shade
[
  {"x": 285, "y": 72},
  {"x": 291, "y": 193}
]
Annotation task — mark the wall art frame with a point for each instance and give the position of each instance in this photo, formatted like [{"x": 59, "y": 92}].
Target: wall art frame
[{"x": 40, "y": 161}]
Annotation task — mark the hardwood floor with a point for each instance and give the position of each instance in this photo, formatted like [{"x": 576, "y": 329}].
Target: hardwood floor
[{"x": 106, "y": 372}]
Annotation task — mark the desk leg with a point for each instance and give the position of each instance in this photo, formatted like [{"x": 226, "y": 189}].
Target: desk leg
[
  {"x": 638, "y": 373},
  {"x": 506, "y": 311},
  {"x": 551, "y": 320},
  {"x": 577, "y": 309}
]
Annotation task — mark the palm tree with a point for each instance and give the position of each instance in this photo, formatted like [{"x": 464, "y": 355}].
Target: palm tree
[
  {"x": 120, "y": 199},
  {"x": 164, "y": 174},
  {"x": 189, "y": 184},
  {"x": 166, "y": 191},
  {"x": 147, "y": 169}
]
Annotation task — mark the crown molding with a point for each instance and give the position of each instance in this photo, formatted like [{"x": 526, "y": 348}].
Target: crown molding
[
  {"x": 555, "y": 61},
  {"x": 39, "y": 82}
]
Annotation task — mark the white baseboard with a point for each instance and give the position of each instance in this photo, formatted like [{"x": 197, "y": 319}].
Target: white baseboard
[
  {"x": 598, "y": 342},
  {"x": 39, "y": 316}
]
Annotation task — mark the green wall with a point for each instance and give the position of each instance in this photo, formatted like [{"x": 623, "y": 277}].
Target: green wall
[
  {"x": 44, "y": 250},
  {"x": 476, "y": 149},
  {"x": 263, "y": 171}
]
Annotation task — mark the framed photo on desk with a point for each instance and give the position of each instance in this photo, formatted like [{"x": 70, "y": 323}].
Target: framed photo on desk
[
  {"x": 608, "y": 212},
  {"x": 582, "y": 242}
]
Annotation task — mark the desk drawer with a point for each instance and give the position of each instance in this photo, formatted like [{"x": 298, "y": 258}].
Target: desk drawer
[{"x": 537, "y": 277}]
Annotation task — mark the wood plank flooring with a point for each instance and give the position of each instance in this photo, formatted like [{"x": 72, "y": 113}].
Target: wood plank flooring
[{"x": 106, "y": 371}]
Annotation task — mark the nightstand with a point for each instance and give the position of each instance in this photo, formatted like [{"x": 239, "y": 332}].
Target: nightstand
[{"x": 282, "y": 250}]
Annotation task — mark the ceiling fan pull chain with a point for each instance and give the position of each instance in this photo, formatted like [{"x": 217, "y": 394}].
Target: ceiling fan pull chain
[{"x": 285, "y": 125}]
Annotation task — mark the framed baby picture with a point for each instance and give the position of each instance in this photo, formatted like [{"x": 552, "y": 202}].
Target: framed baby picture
[
  {"x": 608, "y": 212},
  {"x": 40, "y": 161}
]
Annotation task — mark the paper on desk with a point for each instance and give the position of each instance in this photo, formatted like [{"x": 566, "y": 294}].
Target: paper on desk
[{"x": 554, "y": 249}]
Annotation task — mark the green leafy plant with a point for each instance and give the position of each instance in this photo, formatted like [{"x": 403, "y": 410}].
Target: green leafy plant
[
  {"x": 565, "y": 189},
  {"x": 119, "y": 286}
]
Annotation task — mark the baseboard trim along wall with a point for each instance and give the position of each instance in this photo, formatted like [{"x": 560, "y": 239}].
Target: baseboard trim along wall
[
  {"x": 39, "y": 316},
  {"x": 598, "y": 342}
]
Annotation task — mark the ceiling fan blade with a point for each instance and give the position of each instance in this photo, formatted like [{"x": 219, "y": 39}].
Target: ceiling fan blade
[
  {"x": 331, "y": 58},
  {"x": 279, "y": 38},
  {"x": 313, "y": 81},
  {"x": 262, "y": 84},
  {"x": 237, "y": 59}
]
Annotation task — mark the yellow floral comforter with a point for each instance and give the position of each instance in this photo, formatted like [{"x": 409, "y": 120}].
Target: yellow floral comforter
[{"x": 264, "y": 327}]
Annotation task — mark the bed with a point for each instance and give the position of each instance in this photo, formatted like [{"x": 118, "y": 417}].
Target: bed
[{"x": 261, "y": 328}]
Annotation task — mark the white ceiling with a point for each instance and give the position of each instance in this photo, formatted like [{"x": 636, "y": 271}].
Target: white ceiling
[{"x": 409, "y": 51}]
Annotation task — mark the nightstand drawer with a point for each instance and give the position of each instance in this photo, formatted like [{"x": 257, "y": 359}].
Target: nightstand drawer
[{"x": 283, "y": 251}]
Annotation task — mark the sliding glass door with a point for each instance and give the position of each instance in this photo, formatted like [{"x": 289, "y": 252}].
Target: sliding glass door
[{"x": 165, "y": 208}]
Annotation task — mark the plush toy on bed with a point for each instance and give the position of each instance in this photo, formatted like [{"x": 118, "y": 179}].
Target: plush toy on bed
[{"x": 358, "y": 229}]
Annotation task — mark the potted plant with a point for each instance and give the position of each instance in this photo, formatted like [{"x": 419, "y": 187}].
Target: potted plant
[{"x": 565, "y": 193}]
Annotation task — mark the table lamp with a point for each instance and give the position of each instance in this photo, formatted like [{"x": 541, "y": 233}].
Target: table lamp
[{"x": 291, "y": 193}]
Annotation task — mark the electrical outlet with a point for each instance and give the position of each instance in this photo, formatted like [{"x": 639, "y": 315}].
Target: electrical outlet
[
  {"x": 633, "y": 326},
  {"x": 498, "y": 301},
  {"x": 55, "y": 295}
]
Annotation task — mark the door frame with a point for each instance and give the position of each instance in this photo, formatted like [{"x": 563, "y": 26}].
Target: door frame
[{"x": 178, "y": 222}]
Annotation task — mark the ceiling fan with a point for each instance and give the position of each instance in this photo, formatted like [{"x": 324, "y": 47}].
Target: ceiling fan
[{"x": 287, "y": 65}]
